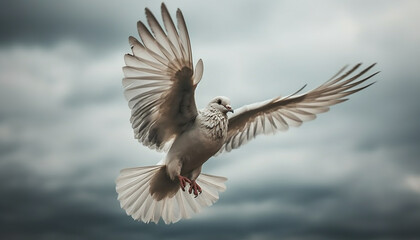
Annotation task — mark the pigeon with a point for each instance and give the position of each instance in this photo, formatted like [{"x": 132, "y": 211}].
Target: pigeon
[{"x": 159, "y": 84}]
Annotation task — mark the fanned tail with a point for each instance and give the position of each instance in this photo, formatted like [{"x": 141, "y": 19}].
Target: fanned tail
[{"x": 133, "y": 188}]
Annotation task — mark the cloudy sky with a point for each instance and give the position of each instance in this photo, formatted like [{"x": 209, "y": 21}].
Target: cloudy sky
[{"x": 353, "y": 173}]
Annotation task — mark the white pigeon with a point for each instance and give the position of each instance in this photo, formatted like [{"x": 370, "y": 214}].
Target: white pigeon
[{"x": 159, "y": 85}]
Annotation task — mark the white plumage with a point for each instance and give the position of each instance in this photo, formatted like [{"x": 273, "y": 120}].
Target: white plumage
[
  {"x": 133, "y": 194},
  {"x": 159, "y": 85}
]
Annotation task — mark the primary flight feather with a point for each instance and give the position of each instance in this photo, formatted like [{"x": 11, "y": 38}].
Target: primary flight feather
[{"x": 160, "y": 83}]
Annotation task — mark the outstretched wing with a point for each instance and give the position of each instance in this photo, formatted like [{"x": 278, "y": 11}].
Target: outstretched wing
[
  {"x": 159, "y": 81},
  {"x": 280, "y": 113}
]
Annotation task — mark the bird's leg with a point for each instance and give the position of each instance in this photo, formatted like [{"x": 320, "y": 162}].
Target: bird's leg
[
  {"x": 183, "y": 182},
  {"x": 194, "y": 187}
]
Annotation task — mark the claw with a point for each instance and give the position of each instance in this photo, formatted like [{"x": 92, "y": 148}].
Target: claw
[
  {"x": 194, "y": 187},
  {"x": 183, "y": 182}
]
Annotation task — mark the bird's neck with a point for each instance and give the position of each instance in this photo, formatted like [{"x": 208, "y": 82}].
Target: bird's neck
[{"x": 216, "y": 122}]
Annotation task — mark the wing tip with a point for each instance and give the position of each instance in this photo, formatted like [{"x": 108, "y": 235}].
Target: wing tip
[
  {"x": 132, "y": 40},
  {"x": 180, "y": 17},
  {"x": 163, "y": 9},
  {"x": 148, "y": 14},
  {"x": 140, "y": 25},
  {"x": 198, "y": 73}
]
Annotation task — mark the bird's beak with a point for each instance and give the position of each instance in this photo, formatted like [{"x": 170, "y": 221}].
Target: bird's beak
[{"x": 229, "y": 108}]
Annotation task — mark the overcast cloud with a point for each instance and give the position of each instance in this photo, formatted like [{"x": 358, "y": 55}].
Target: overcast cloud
[{"x": 353, "y": 173}]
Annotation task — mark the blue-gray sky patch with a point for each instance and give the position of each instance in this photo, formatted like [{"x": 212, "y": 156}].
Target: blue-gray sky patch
[{"x": 353, "y": 173}]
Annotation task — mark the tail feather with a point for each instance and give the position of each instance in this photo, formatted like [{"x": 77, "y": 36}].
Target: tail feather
[
  {"x": 215, "y": 181},
  {"x": 134, "y": 193},
  {"x": 161, "y": 185},
  {"x": 180, "y": 203},
  {"x": 131, "y": 187}
]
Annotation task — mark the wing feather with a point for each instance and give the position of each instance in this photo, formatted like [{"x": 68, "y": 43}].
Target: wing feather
[
  {"x": 185, "y": 39},
  {"x": 280, "y": 113},
  {"x": 173, "y": 36},
  {"x": 160, "y": 81}
]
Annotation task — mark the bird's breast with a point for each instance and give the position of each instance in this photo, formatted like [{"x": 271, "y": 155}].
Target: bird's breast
[
  {"x": 195, "y": 146},
  {"x": 214, "y": 125}
]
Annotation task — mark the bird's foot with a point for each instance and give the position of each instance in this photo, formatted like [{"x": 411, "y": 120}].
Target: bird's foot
[
  {"x": 195, "y": 188},
  {"x": 183, "y": 182}
]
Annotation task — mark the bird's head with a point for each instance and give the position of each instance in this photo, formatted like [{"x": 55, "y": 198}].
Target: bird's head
[{"x": 221, "y": 103}]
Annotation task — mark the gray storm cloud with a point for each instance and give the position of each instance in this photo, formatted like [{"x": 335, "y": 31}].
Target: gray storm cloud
[{"x": 353, "y": 173}]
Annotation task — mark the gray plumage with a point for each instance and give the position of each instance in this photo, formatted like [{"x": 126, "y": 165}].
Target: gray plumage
[{"x": 159, "y": 84}]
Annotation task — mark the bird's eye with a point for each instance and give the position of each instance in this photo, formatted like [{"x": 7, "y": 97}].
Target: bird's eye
[{"x": 219, "y": 101}]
